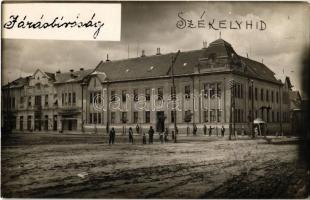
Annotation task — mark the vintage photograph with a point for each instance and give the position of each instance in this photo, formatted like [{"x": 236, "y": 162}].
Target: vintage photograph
[{"x": 191, "y": 100}]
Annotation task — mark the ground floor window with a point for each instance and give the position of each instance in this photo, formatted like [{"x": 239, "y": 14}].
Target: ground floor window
[
  {"x": 219, "y": 115},
  {"x": 112, "y": 117},
  {"x": 29, "y": 120},
  {"x": 147, "y": 117},
  {"x": 135, "y": 117},
  {"x": 21, "y": 123},
  {"x": 205, "y": 116}
]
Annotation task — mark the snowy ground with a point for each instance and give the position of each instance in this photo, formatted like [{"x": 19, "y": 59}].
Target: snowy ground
[{"x": 41, "y": 165}]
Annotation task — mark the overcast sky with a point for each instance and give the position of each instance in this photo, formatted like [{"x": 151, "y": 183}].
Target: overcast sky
[{"x": 149, "y": 25}]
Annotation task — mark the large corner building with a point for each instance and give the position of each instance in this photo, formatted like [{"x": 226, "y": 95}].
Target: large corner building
[{"x": 214, "y": 87}]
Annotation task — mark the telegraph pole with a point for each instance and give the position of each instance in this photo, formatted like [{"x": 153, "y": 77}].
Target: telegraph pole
[
  {"x": 252, "y": 113},
  {"x": 174, "y": 58},
  {"x": 232, "y": 122}
]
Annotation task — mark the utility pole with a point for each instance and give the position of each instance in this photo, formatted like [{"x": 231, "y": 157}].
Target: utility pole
[
  {"x": 232, "y": 108},
  {"x": 108, "y": 109},
  {"x": 252, "y": 113},
  {"x": 174, "y": 58}
]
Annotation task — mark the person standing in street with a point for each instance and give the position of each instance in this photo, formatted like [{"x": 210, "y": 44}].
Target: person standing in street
[
  {"x": 194, "y": 129},
  {"x": 151, "y": 134},
  {"x": 166, "y": 135},
  {"x": 204, "y": 129},
  {"x": 223, "y": 131},
  {"x": 111, "y": 136},
  {"x": 161, "y": 137},
  {"x": 137, "y": 129},
  {"x": 210, "y": 130},
  {"x": 130, "y": 133}
]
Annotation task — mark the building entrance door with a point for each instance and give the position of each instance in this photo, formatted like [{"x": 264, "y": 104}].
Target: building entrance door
[{"x": 160, "y": 123}]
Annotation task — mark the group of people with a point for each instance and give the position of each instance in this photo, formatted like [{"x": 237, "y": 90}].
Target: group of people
[
  {"x": 211, "y": 128},
  {"x": 163, "y": 137}
]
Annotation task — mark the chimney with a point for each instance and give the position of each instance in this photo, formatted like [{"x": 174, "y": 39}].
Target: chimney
[
  {"x": 71, "y": 70},
  {"x": 247, "y": 55},
  {"x": 81, "y": 69},
  {"x": 143, "y": 53},
  {"x": 107, "y": 60},
  {"x": 204, "y": 44},
  {"x": 158, "y": 51}
]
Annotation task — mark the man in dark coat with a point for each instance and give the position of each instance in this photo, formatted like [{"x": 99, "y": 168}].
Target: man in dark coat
[
  {"x": 151, "y": 134},
  {"x": 223, "y": 131},
  {"x": 137, "y": 129},
  {"x": 210, "y": 131},
  {"x": 204, "y": 129},
  {"x": 111, "y": 136},
  {"x": 166, "y": 135},
  {"x": 130, "y": 133},
  {"x": 194, "y": 129}
]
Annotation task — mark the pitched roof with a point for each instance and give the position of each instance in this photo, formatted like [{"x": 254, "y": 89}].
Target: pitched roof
[
  {"x": 295, "y": 100},
  {"x": 257, "y": 69},
  {"x": 20, "y": 82},
  {"x": 51, "y": 75},
  {"x": 69, "y": 77},
  {"x": 149, "y": 66}
]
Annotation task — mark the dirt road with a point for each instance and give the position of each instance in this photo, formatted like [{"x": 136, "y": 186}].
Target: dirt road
[{"x": 196, "y": 169}]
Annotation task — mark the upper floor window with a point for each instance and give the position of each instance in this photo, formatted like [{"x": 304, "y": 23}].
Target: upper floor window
[
  {"x": 124, "y": 96},
  {"x": 187, "y": 91},
  {"x": 256, "y": 94},
  {"x": 212, "y": 90},
  {"x": 219, "y": 90},
  {"x": 46, "y": 100},
  {"x": 73, "y": 98},
  {"x": 113, "y": 97},
  {"x": 135, "y": 94},
  {"x": 147, "y": 94},
  {"x": 267, "y": 95},
  {"x": 262, "y": 94},
  {"x": 29, "y": 101},
  {"x": 37, "y": 101},
  {"x": 69, "y": 98},
  {"x": 160, "y": 93},
  {"x": 272, "y": 96}
]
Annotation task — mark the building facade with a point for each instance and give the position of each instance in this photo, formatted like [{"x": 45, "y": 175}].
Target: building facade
[{"x": 214, "y": 87}]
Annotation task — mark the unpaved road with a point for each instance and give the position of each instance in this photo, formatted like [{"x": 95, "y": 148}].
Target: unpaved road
[{"x": 192, "y": 169}]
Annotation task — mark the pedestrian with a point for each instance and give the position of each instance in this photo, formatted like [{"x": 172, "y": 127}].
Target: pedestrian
[
  {"x": 130, "y": 133},
  {"x": 144, "y": 138},
  {"x": 151, "y": 134},
  {"x": 111, "y": 136},
  {"x": 176, "y": 133},
  {"x": 210, "y": 130},
  {"x": 223, "y": 131},
  {"x": 194, "y": 129},
  {"x": 166, "y": 134},
  {"x": 161, "y": 137},
  {"x": 204, "y": 129},
  {"x": 137, "y": 129}
]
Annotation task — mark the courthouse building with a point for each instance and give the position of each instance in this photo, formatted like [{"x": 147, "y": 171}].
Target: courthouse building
[{"x": 214, "y": 87}]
